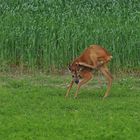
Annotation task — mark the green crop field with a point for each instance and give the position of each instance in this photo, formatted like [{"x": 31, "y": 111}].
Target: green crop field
[
  {"x": 48, "y": 34},
  {"x": 34, "y": 108}
]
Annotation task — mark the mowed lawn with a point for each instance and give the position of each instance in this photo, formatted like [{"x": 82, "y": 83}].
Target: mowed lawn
[{"x": 34, "y": 108}]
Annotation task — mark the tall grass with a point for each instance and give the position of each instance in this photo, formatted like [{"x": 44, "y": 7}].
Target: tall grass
[{"x": 48, "y": 34}]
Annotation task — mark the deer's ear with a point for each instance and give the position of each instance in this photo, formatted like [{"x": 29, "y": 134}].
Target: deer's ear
[
  {"x": 77, "y": 64},
  {"x": 69, "y": 67}
]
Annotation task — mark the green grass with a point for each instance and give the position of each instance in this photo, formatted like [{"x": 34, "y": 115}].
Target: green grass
[{"x": 34, "y": 108}]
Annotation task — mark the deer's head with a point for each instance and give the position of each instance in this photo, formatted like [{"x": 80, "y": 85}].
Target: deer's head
[{"x": 74, "y": 69}]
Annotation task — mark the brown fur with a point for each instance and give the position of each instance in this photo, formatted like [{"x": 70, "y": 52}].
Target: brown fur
[{"x": 93, "y": 57}]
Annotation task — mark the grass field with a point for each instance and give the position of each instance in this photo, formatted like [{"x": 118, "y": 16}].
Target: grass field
[{"x": 34, "y": 108}]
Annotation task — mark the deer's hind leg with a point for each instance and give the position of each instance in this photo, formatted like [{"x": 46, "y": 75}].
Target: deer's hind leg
[{"x": 104, "y": 69}]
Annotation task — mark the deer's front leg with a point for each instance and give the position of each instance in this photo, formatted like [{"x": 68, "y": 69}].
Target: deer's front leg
[
  {"x": 69, "y": 88},
  {"x": 86, "y": 75}
]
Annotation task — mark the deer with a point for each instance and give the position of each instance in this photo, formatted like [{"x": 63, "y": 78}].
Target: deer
[{"x": 94, "y": 57}]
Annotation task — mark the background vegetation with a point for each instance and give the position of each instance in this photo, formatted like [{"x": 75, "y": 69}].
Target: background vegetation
[{"x": 48, "y": 34}]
